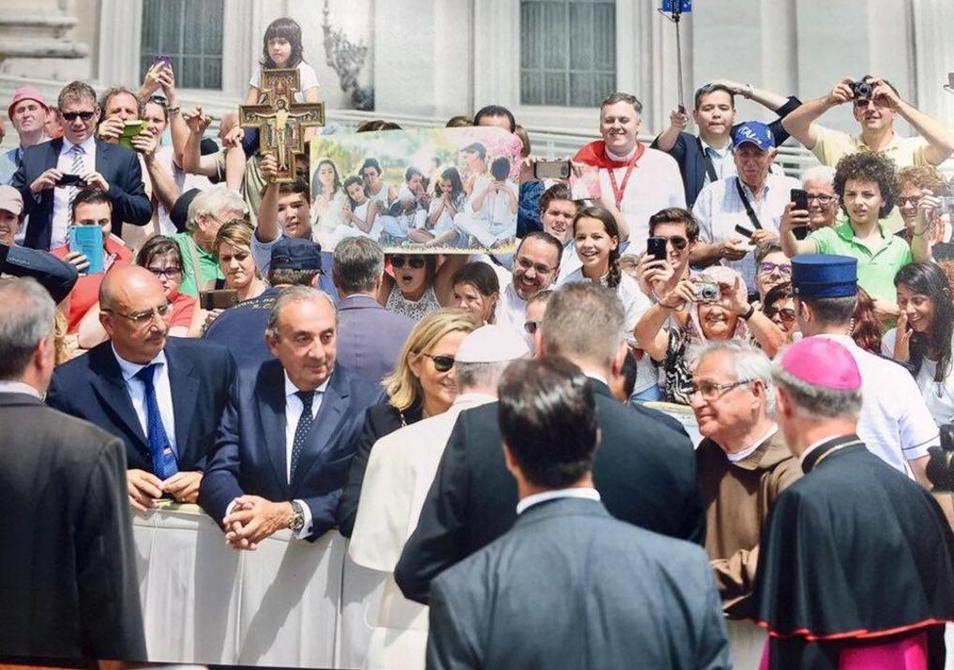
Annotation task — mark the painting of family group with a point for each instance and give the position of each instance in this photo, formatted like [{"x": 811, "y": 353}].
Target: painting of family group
[{"x": 447, "y": 190}]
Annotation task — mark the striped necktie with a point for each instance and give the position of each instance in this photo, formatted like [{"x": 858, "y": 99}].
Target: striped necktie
[{"x": 77, "y": 167}]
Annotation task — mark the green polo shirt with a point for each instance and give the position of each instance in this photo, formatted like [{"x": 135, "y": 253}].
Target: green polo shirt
[
  {"x": 876, "y": 269},
  {"x": 208, "y": 264}
]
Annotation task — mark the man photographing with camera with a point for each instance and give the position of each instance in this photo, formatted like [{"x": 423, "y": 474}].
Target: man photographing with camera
[{"x": 876, "y": 103}]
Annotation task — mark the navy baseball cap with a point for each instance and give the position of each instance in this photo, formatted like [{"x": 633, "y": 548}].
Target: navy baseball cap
[
  {"x": 755, "y": 133},
  {"x": 824, "y": 276},
  {"x": 290, "y": 253}
]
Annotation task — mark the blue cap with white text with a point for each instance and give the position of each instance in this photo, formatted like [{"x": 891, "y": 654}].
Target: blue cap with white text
[{"x": 753, "y": 132}]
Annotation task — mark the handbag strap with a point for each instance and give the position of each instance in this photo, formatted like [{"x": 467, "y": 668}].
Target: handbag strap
[{"x": 748, "y": 207}]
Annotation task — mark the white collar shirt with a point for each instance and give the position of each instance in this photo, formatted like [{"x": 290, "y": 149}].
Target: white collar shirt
[
  {"x": 61, "y": 196},
  {"x": 722, "y": 160},
  {"x": 511, "y": 309},
  {"x": 748, "y": 451},
  {"x": 584, "y": 493},
  {"x": 20, "y": 387},
  {"x": 137, "y": 393}
]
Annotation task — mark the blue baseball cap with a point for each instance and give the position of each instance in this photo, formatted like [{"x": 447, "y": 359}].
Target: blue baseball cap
[
  {"x": 755, "y": 133},
  {"x": 295, "y": 254},
  {"x": 824, "y": 276}
]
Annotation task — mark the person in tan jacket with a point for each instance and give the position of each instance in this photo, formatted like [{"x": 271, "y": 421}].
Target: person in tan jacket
[{"x": 743, "y": 463}]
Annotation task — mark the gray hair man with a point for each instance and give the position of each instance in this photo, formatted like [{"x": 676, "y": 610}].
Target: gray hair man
[
  {"x": 370, "y": 337},
  {"x": 400, "y": 471},
  {"x": 66, "y": 523},
  {"x": 743, "y": 463}
]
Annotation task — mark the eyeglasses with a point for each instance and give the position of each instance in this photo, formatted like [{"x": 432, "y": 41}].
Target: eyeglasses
[
  {"x": 416, "y": 262},
  {"x": 861, "y": 103},
  {"x": 767, "y": 268},
  {"x": 531, "y": 327},
  {"x": 913, "y": 201},
  {"x": 785, "y": 314},
  {"x": 441, "y": 363},
  {"x": 539, "y": 268},
  {"x": 712, "y": 391},
  {"x": 168, "y": 273},
  {"x": 159, "y": 100},
  {"x": 146, "y": 316},
  {"x": 72, "y": 116},
  {"x": 678, "y": 242},
  {"x": 823, "y": 199}
]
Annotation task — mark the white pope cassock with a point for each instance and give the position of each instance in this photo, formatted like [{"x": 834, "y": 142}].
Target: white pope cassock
[{"x": 399, "y": 474}]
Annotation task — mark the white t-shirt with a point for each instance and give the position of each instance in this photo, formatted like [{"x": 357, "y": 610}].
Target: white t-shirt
[
  {"x": 306, "y": 79},
  {"x": 938, "y": 396}
]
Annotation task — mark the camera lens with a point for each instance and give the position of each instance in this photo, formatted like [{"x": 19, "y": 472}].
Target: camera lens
[{"x": 862, "y": 89}]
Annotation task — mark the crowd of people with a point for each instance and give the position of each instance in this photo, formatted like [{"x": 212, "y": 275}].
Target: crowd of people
[{"x": 477, "y": 424}]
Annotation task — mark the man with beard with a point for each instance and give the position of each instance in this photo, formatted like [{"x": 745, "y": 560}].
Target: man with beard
[{"x": 536, "y": 266}]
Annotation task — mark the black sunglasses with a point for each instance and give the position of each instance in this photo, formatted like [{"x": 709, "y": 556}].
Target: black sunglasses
[
  {"x": 72, "y": 116},
  {"x": 416, "y": 262},
  {"x": 442, "y": 363},
  {"x": 677, "y": 241}
]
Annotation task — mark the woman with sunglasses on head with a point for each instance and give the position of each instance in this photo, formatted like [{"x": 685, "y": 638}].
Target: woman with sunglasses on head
[
  {"x": 162, "y": 257},
  {"x": 422, "y": 385},
  {"x": 779, "y": 306},
  {"x": 477, "y": 289},
  {"x": 718, "y": 310},
  {"x": 923, "y": 337},
  {"x": 415, "y": 284}
]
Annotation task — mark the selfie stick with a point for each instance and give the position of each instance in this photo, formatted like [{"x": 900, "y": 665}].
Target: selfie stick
[{"x": 673, "y": 10}]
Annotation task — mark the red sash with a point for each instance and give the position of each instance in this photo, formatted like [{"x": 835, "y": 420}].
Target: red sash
[{"x": 594, "y": 153}]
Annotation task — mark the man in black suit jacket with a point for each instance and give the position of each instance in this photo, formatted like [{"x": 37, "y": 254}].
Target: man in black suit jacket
[
  {"x": 569, "y": 586},
  {"x": 190, "y": 381},
  {"x": 68, "y": 587},
  {"x": 287, "y": 436},
  {"x": 645, "y": 469},
  {"x": 101, "y": 165}
]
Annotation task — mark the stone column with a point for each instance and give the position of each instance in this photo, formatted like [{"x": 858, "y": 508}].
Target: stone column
[{"x": 36, "y": 40}]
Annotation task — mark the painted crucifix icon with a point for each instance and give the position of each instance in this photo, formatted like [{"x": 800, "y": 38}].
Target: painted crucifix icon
[{"x": 281, "y": 121}]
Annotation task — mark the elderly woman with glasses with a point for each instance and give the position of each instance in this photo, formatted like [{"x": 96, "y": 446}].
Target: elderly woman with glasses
[
  {"x": 422, "y": 385},
  {"x": 779, "y": 306},
  {"x": 162, "y": 257}
]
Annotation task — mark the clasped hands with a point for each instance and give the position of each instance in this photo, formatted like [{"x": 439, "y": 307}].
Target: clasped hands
[
  {"x": 252, "y": 519},
  {"x": 145, "y": 488}
]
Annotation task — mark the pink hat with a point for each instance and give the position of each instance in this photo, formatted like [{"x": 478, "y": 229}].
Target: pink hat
[
  {"x": 821, "y": 361},
  {"x": 11, "y": 200},
  {"x": 26, "y": 92}
]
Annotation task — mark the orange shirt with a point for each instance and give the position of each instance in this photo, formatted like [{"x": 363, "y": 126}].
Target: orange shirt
[{"x": 86, "y": 292}]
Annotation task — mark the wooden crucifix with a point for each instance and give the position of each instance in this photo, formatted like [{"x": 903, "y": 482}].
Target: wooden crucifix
[{"x": 281, "y": 121}]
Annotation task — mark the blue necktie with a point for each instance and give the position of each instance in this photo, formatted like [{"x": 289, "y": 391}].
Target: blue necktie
[
  {"x": 301, "y": 430},
  {"x": 164, "y": 463}
]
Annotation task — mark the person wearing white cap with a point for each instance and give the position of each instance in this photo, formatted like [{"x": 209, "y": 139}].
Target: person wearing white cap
[
  {"x": 400, "y": 471},
  {"x": 28, "y": 112}
]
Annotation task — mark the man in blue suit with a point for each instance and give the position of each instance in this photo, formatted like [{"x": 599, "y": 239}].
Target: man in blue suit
[
  {"x": 77, "y": 155},
  {"x": 287, "y": 436},
  {"x": 162, "y": 396}
]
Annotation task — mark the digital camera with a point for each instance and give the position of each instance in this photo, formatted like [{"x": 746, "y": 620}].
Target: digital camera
[
  {"x": 707, "y": 291},
  {"x": 860, "y": 89}
]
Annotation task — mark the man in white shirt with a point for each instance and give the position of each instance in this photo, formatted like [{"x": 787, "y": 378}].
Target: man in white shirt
[
  {"x": 894, "y": 424},
  {"x": 536, "y": 266},
  {"x": 742, "y": 210}
]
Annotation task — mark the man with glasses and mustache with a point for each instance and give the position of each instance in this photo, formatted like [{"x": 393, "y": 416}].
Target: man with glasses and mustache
[
  {"x": 536, "y": 266},
  {"x": 83, "y": 161},
  {"x": 163, "y": 396}
]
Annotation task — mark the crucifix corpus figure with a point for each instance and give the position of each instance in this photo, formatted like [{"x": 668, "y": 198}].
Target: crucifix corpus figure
[{"x": 281, "y": 121}]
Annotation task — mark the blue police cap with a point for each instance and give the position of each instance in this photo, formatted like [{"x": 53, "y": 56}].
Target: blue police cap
[
  {"x": 290, "y": 253},
  {"x": 824, "y": 276}
]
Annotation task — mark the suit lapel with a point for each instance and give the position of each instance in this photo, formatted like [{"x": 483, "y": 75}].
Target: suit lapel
[
  {"x": 270, "y": 394},
  {"x": 103, "y": 149},
  {"x": 183, "y": 380},
  {"x": 111, "y": 388},
  {"x": 334, "y": 402}
]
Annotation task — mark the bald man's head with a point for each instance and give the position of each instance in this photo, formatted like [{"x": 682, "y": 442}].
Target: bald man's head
[{"x": 135, "y": 313}]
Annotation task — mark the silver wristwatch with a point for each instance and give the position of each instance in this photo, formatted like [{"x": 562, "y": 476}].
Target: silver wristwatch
[{"x": 297, "y": 522}]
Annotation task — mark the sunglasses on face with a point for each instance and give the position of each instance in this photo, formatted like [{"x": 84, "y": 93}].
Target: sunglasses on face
[
  {"x": 912, "y": 201},
  {"x": 678, "y": 242},
  {"x": 785, "y": 314},
  {"x": 442, "y": 363},
  {"x": 72, "y": 116},
  {"x": 416, "y": 262}
]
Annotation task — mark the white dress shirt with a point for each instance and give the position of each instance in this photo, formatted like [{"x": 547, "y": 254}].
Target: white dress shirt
[
  {"x": 137, "y": 393},
  {"x": 722, "y": 160},
  {"x": 748, "y": 451},
  {"x": 511, "y": 309},
  {"x": 537, "y": 498},
  {"x": 61, "y": 195},
  {"x": 19, "y": 387}
]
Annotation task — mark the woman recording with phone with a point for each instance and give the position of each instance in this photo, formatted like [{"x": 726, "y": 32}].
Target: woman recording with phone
[
  {"x": 923, "y": 337},
  {"x": 718, "y": 308}
]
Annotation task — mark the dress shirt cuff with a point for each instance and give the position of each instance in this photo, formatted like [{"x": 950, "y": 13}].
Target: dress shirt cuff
[
  {"x": 305, "y": 529},
  {"x": 228, "y": 510}
]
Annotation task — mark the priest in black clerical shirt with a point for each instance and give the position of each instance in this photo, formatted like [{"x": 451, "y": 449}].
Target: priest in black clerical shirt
[{"x": 857, "y": 562}]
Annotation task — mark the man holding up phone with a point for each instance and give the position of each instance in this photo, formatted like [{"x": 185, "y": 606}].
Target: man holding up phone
[{"x": 111, "y": 169}]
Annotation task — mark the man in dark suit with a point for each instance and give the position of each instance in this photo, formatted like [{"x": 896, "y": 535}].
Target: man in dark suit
[
  {"x": 108, "y": 167},
  {"x": 287, "y": 436},
  {"x": 370, "y": 338},
  {"x": 68, "y": 587},
  {"x": 706, "y": 158},
  {"x": 569, "y": 586},
  {"x": 163, "y": 396},
  {"x": 645, "y": 470}
]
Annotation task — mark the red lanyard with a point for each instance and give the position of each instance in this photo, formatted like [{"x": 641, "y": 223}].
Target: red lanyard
[{"x": 618, "y": 190}]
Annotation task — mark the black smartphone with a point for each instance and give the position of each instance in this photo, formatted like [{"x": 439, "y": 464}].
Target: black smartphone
[
  {"x": 551, "y": 170},
  {"x": 656, "y": 247},
  {"x": 744, "y": 232},
  {"x": 70, "y": 180},
  {"x": 218, "y": 299},
  {"x": 800, "y": 198},
  {"x": 681, "y": 108}
]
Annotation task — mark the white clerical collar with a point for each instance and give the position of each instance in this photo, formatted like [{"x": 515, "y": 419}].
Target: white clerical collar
[
  {"x": 621, "y": 159},
  {"x": 581, "y": 492},
  {"x": 291, "y": 389},
  {"x": 815, "y": 445},
  {"x": 748, "y": 451},
  {"x": 130, "y": 369},
  {"x": 10, "y": 386}
]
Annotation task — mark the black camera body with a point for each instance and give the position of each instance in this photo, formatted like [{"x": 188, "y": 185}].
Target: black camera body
[{"x": 860, "y": 90}]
